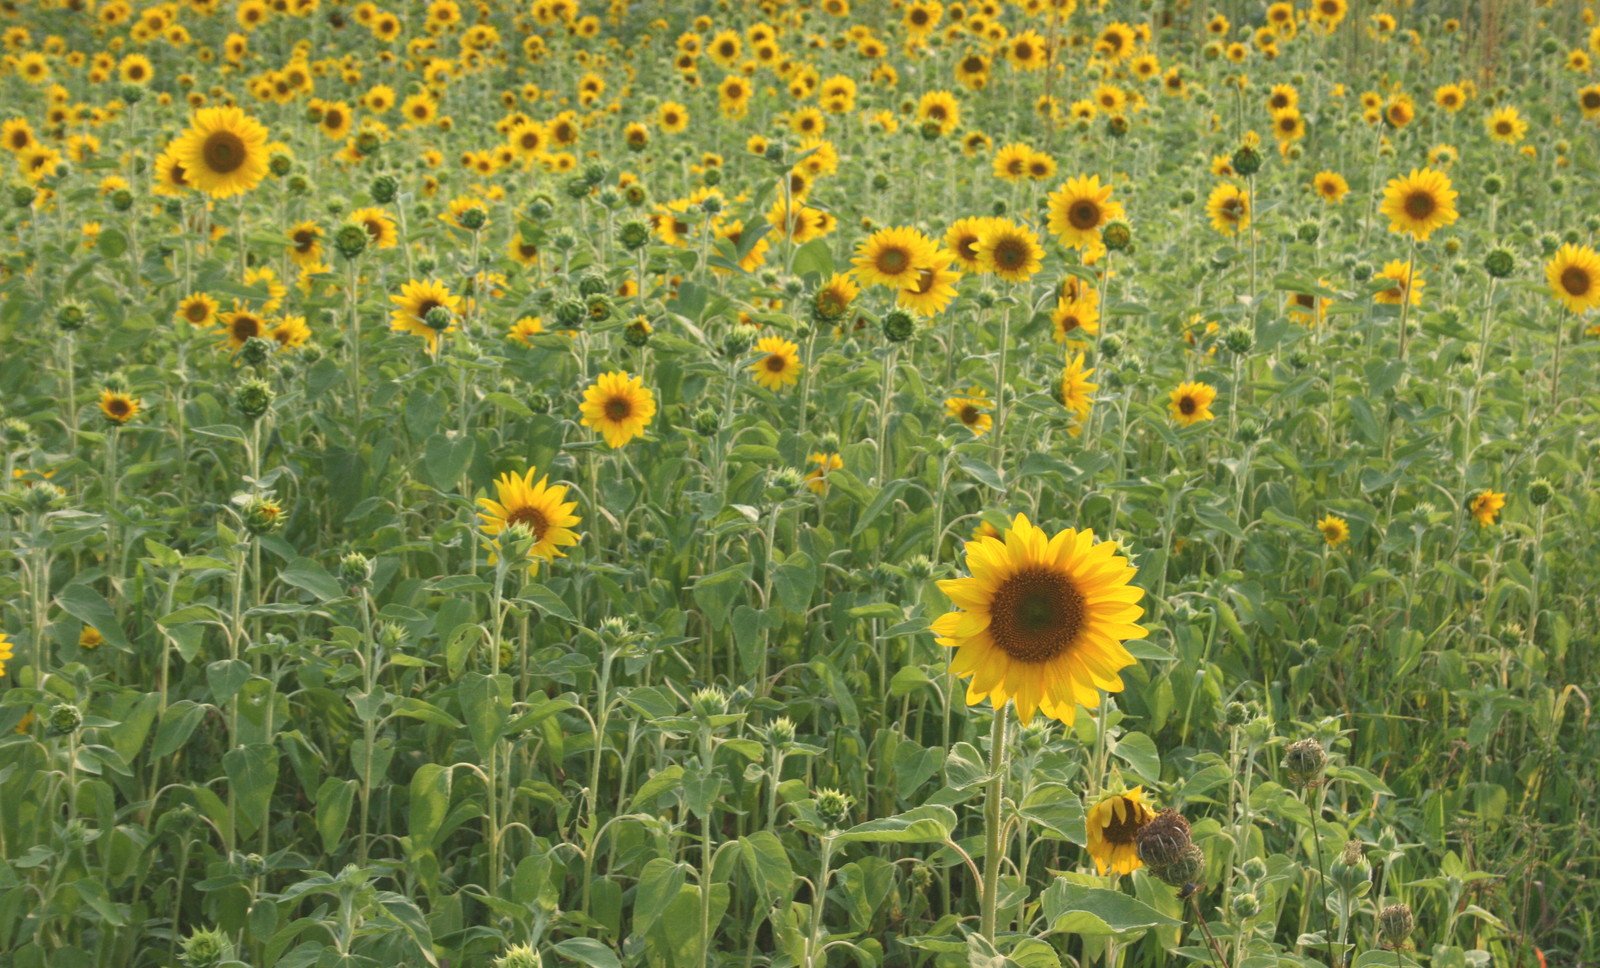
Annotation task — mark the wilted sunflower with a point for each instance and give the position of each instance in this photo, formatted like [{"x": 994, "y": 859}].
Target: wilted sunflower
[
  {"x": 1335, "y": 531},
  {"x": 1041, "y": 620},
  {"x": 972, "y": 410},
  {"x": 416, "y": 300},
  {"x": 1190, "y": 403},
  {"x": 779, "y": 365},
  {"x": 1486, "y": 507},
  {"x": 1574, "y": 277},
  {"x": 1112, "y": 824},
  {"x": 893, "y": 257},
  {"x": 118, "y": 407},
  {"x": 1079, "y": 209},
  {"x": 1419, "y": 203},
  {"x": 542, "y": 508},
  {"x": 224, "y": 152},
  {"x": 618, "y": 406}
]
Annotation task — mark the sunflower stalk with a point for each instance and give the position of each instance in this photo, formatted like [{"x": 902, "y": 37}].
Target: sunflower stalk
[{"x": 992, "y": 846}]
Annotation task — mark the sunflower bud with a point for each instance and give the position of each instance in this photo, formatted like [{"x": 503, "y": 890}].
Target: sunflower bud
[
  {"x": 1246, "y": 161},
  {"x": 1541, "y": 492},
  {"x": 1239, "y": 339},
  {"x": 350, "y": 241},
  {"x": 1395, "y": 924},
  {"x": 634, "y": 235},
  {"x": 1254, "y": 869},
  {"x": 262, "y": 515},
  {"x": 438, "y": 319},
  {"x": 253, "y": 399},
  {"x": 781, "y": 732},
  {"x": 638, "y": 331},
  {"x": 473, "y": 219},
  {"x": 1304, "y": 760},
  {"x": 255, "y": 351},
  {"x": 577, "y": 187},
  {"x": 519, "y": 956},
  {"x": 598, "y": 308},
  {"x": 1117, "y": 235},
  {"x": 355, "y": 569},
  {"x": 64, "y": 720},
  {"x": 1500, "y": 263},
  {"x": 206, "y": 948},
  {"x": 833, "y": 807},
  {"x": 899, "y": 326},
  {"x": 1245, "y": 906},
  {"x": 706, "y": 422},
  {"x": 384, "y": 188},
  {"x": 1493, "y": 185},
  {"x": 708, "y": 702},
  {"x": 569, "y": 313},
  {"x": 541, "y": 207},
  {"x": 122, "y": 199},
  {"x": 70, "y": 315}
]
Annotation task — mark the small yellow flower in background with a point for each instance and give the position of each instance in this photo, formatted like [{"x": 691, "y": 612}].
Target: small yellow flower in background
[
  {"x": 1419, "y": 203},
  {"x": 1229, "y": 209},
  {"x": 198, "y": 309},
  {"x": 90, "y": 638},
  {"x": 779, "y": 365},
  {"x": 817, "y": 477},
  {"x": 1079, "y": 209},
  {"x": 1408, "y": 284},
  {"x": 416, "y": 300},
  {"x": 525, "y": 327},
  {"x": 1486, "y": 507},
  {"x": 118, "y": 407},
  {"x": 972, "y": 410},
  {"x": 1112, "y": 824},
  {"x": 1506, "y": 126},
  {"x": 1190, "y": 403},
  {"x": 1335, "y": 530},
  {"x": 1574, "y": 276},
  {"x": 1077, "y": 393},
  {"x": 540, "y": 507},
  {"x": 618, "y": 406},
  {"x": 6, "y": 653},
  {"x": 1330, "y": 186}
]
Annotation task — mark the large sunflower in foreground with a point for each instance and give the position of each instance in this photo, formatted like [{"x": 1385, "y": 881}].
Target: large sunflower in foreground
[
  {"x": 542, "y": 508},
  {"x": 893, "y": 257},
  {"x": 1112, "y": 824},
  {"x": 1419, "y": 203},
  {"x": 224, "y": 152},
  {"x": 619, "y": 406},
  {"x": 1041, "y": 620},
  {"x": 1574, "y": 277}
]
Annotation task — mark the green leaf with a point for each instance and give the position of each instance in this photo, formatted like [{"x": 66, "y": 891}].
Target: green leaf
[
  {"x": 445, "y": 460},
  {"x": 484, "y": 708},
  {"x": 334, "y": 799},
  {"x": 1139, "y": 751},
  {"x": 587, "y": 951},
  {"x": 252, "y": 774},
  {"x": 307, "y": 574},
  {"x": 919, "y": 825},
  {"x": 658, "y": 885},
  {"x": 430, "y": 801},
  {"x": 547, "y": 602},
  {"x": 1075, "y": 909},
  {"x": 813, "y": 259},
  {"x": 177, "y": 725}
]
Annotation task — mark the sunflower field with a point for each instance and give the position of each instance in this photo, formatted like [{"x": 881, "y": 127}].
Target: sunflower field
[{"x": 799, "y": 483}]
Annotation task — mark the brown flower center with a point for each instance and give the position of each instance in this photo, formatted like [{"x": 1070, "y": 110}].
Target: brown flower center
[
  {"x": 223, "y": 151},
  {"x": 1421, "y": 204},
  {"x": 1010, "y": 254},
  {"x": 775, "y": 363},
  {"x": 1120, "y": 831},
  {"x": 1083, "y": 214},
  {"x": 618, "y": 409},
  {"x": 532, "y": 519},
  {"x": 244, "y": 326},
  {"x": 893, "y": 261},
  {"x": 1575, "y": 280},
  {"x": 1187, "y": 406},
  {"x": 1036, "y": 615}
]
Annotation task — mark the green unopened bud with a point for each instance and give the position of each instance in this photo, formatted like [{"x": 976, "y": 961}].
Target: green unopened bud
[
  {"x": 1541, "y": 492},
  {"x": 1246, "y": 161},
  {"x": 122, "y": 199},
  {"x": 473, "y": 219},
  {"x": 833, "y": 807},
  {"x": 1245, "y": 906},
  {"x": 438, "y": 319},
  {"x": 64, "y": 720},
  {"x": 634, "y": 235},
  {"x": 706, "y": 422},
  {"x": 1239, "y": 339},
  {"x": 70, "y": 315},
  {"x": 781, "y": 732},
  {"x": 638, "y": 331},
  {"x": 519, "y": 956},
  {"x": 350, "y": 241},
  {"x": 263, "y": 515},
  {"x": 355, "y": 569},
  {"x": 899, "y": 326},
  {"x": 1117, "y": 235},
  {"x": 569, "y": 313},
  {"x": 1500, "y": 263},
  {"x": 384, "y": 188},
  {"x": 707, "y": 702},
  {"x": 206, "y": 948},
  {"x": 256, "y": 351},
  {"x": 253, "y": 398}
]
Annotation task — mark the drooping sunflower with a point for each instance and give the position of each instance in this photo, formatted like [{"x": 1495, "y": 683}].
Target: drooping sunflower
[
  {"x": 417, "y": 298},
  {"x": 1407, "y": 284},
  {"x": 1009, "y": 250},
  {"x": 1079, "y": 209},
  {"x": 1112, "y": 824},
  {"x": 198, "y": 310},
  {"x": 1335, "y": 530},
  {"x": 1419, "y": 203},
  {"x": 118, "y": 407},
  {"x": 779, "y": 365},
  {"x": 893, "y": 257},
  {"x": 1190, "y": 403},
  {"x": 224, "y": 152},
  {"x": 1229, "y": 209},
  {"x": 540, "y": 507},
  {"x": 1486, "y": 507},
  {"x": 1041, "y": 620},
  {"x": 618, "y": 406},
  {"x": 972, "y": 410},
  {"x": 1574, "y": 276}
]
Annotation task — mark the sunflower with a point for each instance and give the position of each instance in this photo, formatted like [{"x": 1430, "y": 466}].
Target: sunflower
[
  {"x": 7, "y": 653},
  {"x": 1451, "y": 97},
  {"x": 779, "y": 365},
  {"x": 1011, "y": 162},
  {"x": 198, "y": 309},
  {"x": 1229, "y": 209},
  {"x": 961, "y": 238},
  {"x": 90, "y": 638},
  {"x": 934, "y": 287},
  {"x": 542, "y": 508},
  {"x": 525, "y": 327},
  {"x": 1009, "y": 250},
  {"x": 1335, "y": 530},
  {"x": 1190, "y": 403},
  {"x": 1077, "y": 393},
  {"x": 941, "y": 109},
  {"x": 380, "y": 228},
  {"x": 118, "y": 407},
  {"x": 1041, "y": 620},
  {"x": 305, "y": 243},
  {"x": 412, "y": 306},
  {"x": 1589, "y": 101},
  {"x": 1506, "y": 126},
  {"x": 1407, "y": 284},
  {"x": 972, "y": 410},
  {"x": 834, "y": 299},
  {"x": 1073, "y": 318},
  {"x": 240, "y": 326},
  {"x": 619, "y": 406},
  {"x": 817, "y": 477},
  {"x": 290, "y": 332},
  {"x": 893, "y": 257},
  {"x": 224, "y": 152},
  {"x": 1574, "y": 277},
  {"x": 1079, "y": 209},
  {"x": 1486, "y": 507},
  {"x": 1419, "y": 203},
  {"x": 1307, "y": 308},
  {"x": 1112, "y": 824}
]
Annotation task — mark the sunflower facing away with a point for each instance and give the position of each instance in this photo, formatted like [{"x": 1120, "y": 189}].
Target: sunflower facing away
[
  {"x": 1112, "y": 824},
  {"x": 1419, "y": 203},
  {"x": 542, "y": 508},
  {"x": 1041, "y": 620},
  {"x": 224, "y": 152},
  {"x": 779, "y": 365},
  {"x": 118, "y": 407},
  {"x": 1574, "y": 277},
  {"x": 618, "y": 406},
  {"x": 1191, "y": 403}
]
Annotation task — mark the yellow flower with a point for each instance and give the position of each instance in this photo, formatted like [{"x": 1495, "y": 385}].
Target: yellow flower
[
  {"x": 1077, "y": 393},
  {"x": 1079, "y": 209},
  {"x": 415, "y": 302},
  {"x": 197, "y": 309},
  {"x": 525, "y": 327},
  {"x": 1506, "y": 126},
  {"x": 972, "y": 411},
  {"x": 542, "y": 508},
  {"x": 934, "y": 287},
  {"x": 1229, "y": 209},
  {"x": 817, "y": 477},
  {"x": 291, "y": 332},
  {"x": 1408, "y": 284},
  {"x": 118, "y": 407},
  {"x": 90, "y": 638},
  {"x": 1335, "y": 530},
  {"x": 1574, "y": 276},
  {"x": 1073, "y": 318},
  {"x": 1041, "y": 620},
  {"x": 223, "y": 153},
  {"x": 779, "y": 365},
  {"x": 1009, "y": 250},
  {"x": 1486, "y": 507},
  {"x": 893, "y": 257},
  {"x": 618, "y": 406},
  {"x": 6, "y": 653},
  {"x": 1419, "y": 203},
  {"x": 1190, "y": 403},
  {"x": 1112, "y": 824}
]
